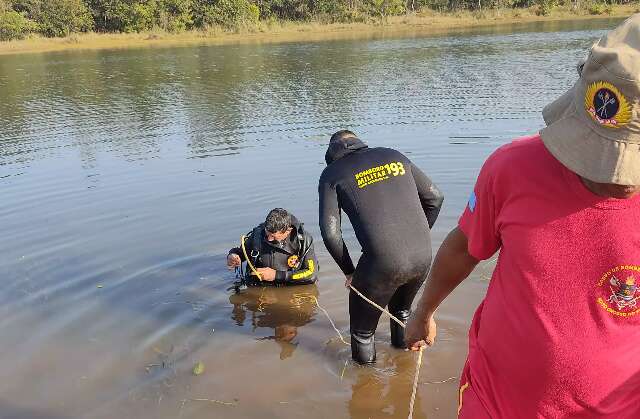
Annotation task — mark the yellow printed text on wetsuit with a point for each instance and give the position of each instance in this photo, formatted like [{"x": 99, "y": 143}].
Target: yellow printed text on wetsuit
[
  {"x": 379, "y": 173},
  {"x": 306, "y": 273}
]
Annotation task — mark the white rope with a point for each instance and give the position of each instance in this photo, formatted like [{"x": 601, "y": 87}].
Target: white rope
[
  {"x": 331, "y": 321},
  {"x": 364, "y": 298},
  {"x": 419, "y": 363},
  {"x": 377, "y": 306},
  {"x": 415, "y": 384}
]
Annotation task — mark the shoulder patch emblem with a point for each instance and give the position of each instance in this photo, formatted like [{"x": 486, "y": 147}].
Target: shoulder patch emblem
[
  {"x": 292, "y": 262},
  {"x": 619, "y": 291},
  {"x": 606, "y": 105},
  {"x": 472, "y": 201}
]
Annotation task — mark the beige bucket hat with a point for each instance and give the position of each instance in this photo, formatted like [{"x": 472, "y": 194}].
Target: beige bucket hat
[{"x": 594, "y": 128}]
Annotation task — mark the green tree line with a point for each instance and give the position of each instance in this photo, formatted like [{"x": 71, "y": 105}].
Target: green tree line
[{"x": 55, "y": 18}]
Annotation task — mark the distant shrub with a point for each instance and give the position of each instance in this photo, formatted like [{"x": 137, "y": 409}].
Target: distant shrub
[
  {"x": 330, "y": 7},
  {"x": 384, "y": 8},
  {"x": 596, "y": 8},
  {"x": 439, "y": 5},
  {"x": 230, "y": 14},
  {"x": 175, "y": 15},
  {"x": 545, "y": 7},
  {"x": 56, "y": 17},
  {"x": 14, "y": 25},
  {"x": 64, "y": 17},
  {"x": 141, "y": 17}
]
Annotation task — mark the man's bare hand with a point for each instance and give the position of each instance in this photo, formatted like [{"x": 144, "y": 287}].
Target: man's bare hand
[
  {"x": 348, "y": 280},
  {"x": 420, "y": 331},
  {"x": 266, "y": 274},
  {"x": 233, "y": 261}
]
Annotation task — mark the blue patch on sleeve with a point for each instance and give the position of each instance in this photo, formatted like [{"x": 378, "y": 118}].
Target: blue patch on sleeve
[{"x": 472, "y": 201}]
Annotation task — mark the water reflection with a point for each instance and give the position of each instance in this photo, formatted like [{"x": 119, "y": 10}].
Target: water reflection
[
  {"x": 385, "y": 390},
  {"x": 283, "y": 309},
  {"x": 136, "y": 171},
  {"x": 223, "y": 99}
]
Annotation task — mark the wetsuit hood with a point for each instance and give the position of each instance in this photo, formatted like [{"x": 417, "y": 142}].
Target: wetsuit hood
[{"x": 340, "y": 148}]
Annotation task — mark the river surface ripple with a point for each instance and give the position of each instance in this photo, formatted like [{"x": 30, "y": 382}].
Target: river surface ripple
[{"x": 125, "y": 177}]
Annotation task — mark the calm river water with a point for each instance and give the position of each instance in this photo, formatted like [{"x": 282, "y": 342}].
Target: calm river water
[{"x": 125, "y": 176}]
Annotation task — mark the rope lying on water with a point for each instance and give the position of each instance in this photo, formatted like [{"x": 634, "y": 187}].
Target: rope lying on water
[{"x": 330, "y": 321}]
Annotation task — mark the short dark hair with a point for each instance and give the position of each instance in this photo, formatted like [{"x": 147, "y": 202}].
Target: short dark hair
[
  {"x": 278, "y": 220},
  {"x": 343, "y": 134}
]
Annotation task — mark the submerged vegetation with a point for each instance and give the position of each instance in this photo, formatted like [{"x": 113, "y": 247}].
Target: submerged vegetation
[{"x": 60, "y": 18}]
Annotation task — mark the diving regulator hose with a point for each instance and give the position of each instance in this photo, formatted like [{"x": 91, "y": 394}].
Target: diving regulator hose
[{"x": 246, "y": 257}]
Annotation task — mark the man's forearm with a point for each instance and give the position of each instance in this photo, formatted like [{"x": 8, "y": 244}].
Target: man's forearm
[
  {"x": 332, "y": 236},
  {"x": 451, "y": 266}
]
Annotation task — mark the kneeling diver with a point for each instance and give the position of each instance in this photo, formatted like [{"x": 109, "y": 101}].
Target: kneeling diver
[{"x": 278, "y": 252}]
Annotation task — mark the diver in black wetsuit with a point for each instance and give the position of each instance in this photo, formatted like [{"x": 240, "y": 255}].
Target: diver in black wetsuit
[
  {"x": 391, "y": 205},
  {"x": 280, "y": 250}
]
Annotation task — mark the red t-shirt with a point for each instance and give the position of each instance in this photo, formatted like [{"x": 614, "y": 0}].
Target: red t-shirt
[{"x": 558, "y": 333}]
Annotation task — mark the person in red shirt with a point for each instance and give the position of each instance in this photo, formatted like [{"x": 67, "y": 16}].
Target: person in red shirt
[{"x": 558, "y": 332}]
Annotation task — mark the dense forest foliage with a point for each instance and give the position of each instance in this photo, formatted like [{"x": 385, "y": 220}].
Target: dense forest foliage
[{"x": 54, "y": 18}]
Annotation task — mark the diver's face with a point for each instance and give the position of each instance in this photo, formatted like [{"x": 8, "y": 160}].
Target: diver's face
[{"x": 277, "y": 236}]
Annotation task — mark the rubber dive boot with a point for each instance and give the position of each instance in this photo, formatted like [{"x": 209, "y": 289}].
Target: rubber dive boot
[
  {"x": 397, "y": 331},
  {"x": 363, "y": 347}
]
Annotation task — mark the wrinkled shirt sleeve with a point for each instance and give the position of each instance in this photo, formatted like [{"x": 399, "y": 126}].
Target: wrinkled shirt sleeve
[{"x": 479, "y": 221}]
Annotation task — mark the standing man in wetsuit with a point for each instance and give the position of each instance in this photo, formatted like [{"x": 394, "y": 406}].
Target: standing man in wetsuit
[
  {"x": 391, "y": 205},
  {"x": 278, "y": 252}
]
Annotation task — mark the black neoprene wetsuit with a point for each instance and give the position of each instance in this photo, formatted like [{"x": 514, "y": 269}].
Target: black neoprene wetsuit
[
  {"x": 293, "y": 259},
  {"x": 391, "y": 205}
]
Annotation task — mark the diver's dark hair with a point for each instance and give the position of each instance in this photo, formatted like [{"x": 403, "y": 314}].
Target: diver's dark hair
[
  {"x": 278, "y": 221},
  {"x": 342, "y": 135}
]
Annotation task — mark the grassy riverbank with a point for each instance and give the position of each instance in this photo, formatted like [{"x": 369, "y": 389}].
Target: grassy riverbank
[{"x": 424, "y": 23}]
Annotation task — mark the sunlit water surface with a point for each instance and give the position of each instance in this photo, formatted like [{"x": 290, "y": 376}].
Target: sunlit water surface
[{"x": 125, "y": 177}]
